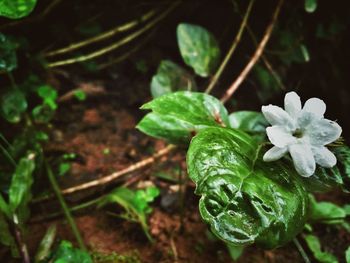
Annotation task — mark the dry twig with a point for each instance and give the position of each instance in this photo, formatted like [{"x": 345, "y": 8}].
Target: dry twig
[{"x": 258, "y": 52}]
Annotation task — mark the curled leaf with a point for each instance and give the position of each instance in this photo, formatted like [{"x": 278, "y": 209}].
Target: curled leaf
[{"x": 244, "y": 199}]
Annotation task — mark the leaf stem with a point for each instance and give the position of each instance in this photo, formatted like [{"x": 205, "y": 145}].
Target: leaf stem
[
  {"x": 231, "y": 50},
  {"x": 301, "y": 250},
  {"x": 23, "y": 250},
  {"x": 64, "y": 206}
]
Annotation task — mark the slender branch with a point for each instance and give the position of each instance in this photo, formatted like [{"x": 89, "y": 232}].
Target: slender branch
[
  {"x": 266, "y": 61},
  {"x": 109, "y": 178},
  {"x": 64, "y": 206},
  {"x": 301, "y": 250},
  {"x": 232, "y": 49},
  {"x": 258, "y": 52},
  {"x": 105, "y": 35},
  {"x": 23, "y": 250},
  {"x": 72, "y": 209},
  {"x": 116, "y": 45},
  {"x": 127, "y": 54}
]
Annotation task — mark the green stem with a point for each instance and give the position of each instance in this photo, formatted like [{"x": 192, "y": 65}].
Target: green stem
[
  {"x": 72, "y": 209},
  {"x": 232, "y": 49},
  {"x": 301, "y": 250},
  {"x": 64, "y": 206}
]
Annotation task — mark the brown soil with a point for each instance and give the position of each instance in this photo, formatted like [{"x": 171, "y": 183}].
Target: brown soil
[{"x": 102, "y": 134}]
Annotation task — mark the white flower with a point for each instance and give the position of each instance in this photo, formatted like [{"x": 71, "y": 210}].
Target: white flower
[{"x": 301, "y": 132}]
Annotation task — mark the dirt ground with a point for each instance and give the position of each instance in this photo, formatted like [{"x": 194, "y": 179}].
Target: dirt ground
[{"x": 104, "y": 122}]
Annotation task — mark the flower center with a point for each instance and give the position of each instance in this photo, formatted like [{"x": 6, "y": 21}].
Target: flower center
[{"x": 298, "y": 133}]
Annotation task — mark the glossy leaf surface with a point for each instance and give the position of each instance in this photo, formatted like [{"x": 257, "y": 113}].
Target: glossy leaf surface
[
  {"x": 16, "y": 8},
  {"x": 170, "y": 78},
  {"x": 326, "y": 179},
  {"x": 244, "y": 199},
  {"x": 198, "y": 48},
  {"x": 176, "y": 117}
]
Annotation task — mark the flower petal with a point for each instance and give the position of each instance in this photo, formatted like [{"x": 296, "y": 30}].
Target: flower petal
[
  {"x": 305, "y": 118},
  {"x": 323, "y": 132},
  {"x": 303, "y": 159},
  {"x": 292, "y": 104},
  {"x": 316, "y": 106},
  {"x": 274, "y": 154},
  {"x": 277, "y": 116},
  {"x": 279, "y": 136},
  {"x": 324, "y": 157}
]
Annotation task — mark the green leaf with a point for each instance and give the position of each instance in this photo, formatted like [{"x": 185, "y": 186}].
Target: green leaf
[
  {"x": 170, "y": 78},
  {"x": 244, "y": 199},
  {"x": 46, "y": 244},
  {"x": 314, "y": 244},
  {"x": 135, "y": 204},
  {"x": 178, "y": 116},
  {"x": 21, "y": 182},
  {"x": 6, "y": 238},
  {"x": 16, "y": 8},
  {"x": 310, "y": 5},
  {"x": 66, "y": 253},
  {"x": 4, "y": 208},
  {"x": 199, "y": 48},
  {"x": 235, "y": 251},
  {"x": 8, "y": 58},
  {"x": 43, "y": 113},
  {"x": 49, "y": 96},
  {"x": 326, "y": 212},
  {"x": 251, "y": 122},
  {"x": 347, "y": 255},
  {"x": 326, "y": 179},
  {"x": 63, "y": 168},
  {"x": 80, "y": 95},
  {"x": 268, "y": 85},
  {"x": 13, "y": 104}
]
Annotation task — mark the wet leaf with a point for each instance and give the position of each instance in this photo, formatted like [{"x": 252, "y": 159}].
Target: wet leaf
[
  {"x": 199, "y": 48},
  {"x": 66, "y": 253},
  {"x": 176, "y": 117},
  {"x": 13, "y": 104},
  {"x": 8, "y": 57},
  {"x": 314, "y": 244},
  {"x": 16, "y": 8},
  {"x": 170, "y": 78},
  {"x": 244, "y": 199},
  {"x": 21, "y": 182},
  {"x": 347, "y": 255},
  {"x": 326, "y": 179}
]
